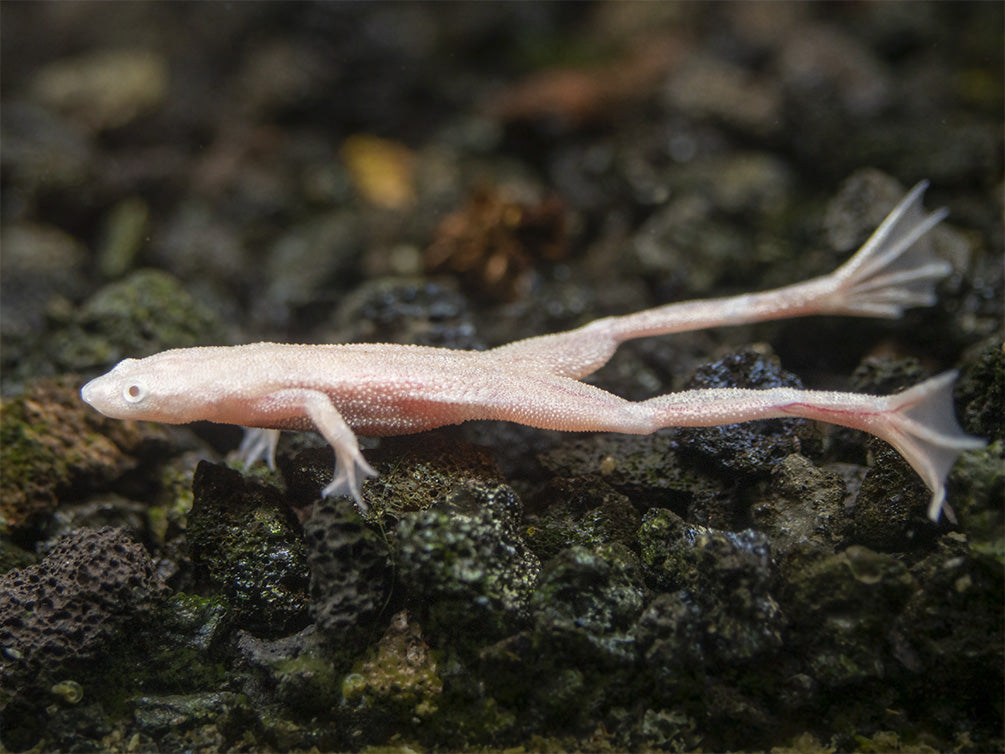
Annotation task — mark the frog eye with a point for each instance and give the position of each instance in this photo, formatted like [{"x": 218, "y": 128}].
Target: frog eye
[{"x": 134, "y": 392}]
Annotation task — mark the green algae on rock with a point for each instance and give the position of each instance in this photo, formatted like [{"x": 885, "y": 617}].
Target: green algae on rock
[
  {"x": 50, "y": 450},
  {"x": 145, "y": 312},
  {"x": 245, "y": 543},
  {"x": 465, "y": 564}
]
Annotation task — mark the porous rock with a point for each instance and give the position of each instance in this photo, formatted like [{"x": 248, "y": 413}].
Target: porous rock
[
  {"x": 350, "y": 572},
  {"x": 464, "y": 562},
  {"x": 64, "y": 611}
]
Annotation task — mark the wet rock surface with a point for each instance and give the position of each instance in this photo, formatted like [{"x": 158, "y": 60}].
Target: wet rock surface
[{"x": 246, "y": 545}]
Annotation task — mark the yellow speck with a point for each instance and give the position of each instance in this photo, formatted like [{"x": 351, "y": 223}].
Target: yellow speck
[{"x": 382, "y": 170}]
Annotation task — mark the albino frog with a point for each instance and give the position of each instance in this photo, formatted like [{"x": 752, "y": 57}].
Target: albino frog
[{"x": 387, "y": 389}]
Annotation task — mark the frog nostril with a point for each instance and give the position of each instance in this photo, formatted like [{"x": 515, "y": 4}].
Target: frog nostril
[{"x": 87, "y": 393}]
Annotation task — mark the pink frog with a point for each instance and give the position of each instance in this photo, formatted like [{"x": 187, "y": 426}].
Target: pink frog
[{"x": 388, "y": 389}]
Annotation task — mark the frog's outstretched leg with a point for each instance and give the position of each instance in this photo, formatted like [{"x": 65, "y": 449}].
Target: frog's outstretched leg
[
  {"x": 921, "y": 424},
  {"x": 918, "y": 422},
  {"x": 894, "y": 270}
]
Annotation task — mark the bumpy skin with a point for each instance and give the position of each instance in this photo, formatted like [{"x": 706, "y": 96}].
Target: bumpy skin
[{"x": 387, "y": 389}]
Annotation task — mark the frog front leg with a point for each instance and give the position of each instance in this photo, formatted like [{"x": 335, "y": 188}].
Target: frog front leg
[
  {"x": 259, "y": 445},
  {"x": 316, "y": 407}
]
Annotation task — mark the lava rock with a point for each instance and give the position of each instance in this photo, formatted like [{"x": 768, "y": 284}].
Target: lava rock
[
  {"x": 750, "y": 448},
  {"x": 68, "y": 610},
  {"x": 464, "y": 563},
  {"x": 246, "y": 543},
  {"x": 351, "y": 572}
]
